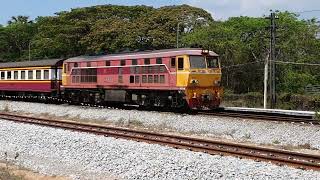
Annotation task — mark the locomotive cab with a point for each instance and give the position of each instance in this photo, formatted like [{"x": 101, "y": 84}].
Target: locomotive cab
[{"x": 200, "y": 75}]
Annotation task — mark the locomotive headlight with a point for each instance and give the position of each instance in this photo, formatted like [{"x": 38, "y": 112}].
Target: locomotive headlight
[
  {"x": 216, "y": 83},
  {"x": 194, "y": 81},
  {"x": 194, "y": 95}
]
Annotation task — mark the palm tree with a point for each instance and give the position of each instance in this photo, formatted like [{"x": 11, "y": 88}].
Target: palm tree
[{"x": 19, "y": 20}]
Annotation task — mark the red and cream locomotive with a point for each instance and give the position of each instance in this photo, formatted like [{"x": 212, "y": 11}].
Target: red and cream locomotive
[{"x": 173, "y": 78}]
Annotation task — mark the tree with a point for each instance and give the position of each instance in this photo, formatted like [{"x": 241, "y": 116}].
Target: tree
[
  {"x": 243, "y": 44},
  {"x": 15, "y": 38}
]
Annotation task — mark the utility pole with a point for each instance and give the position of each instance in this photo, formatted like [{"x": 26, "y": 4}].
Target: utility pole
[
  {"x": 273, "y": 59},
  {"x": 265, "y": 82},
  {"x": 178, "y": 28},
  {"x": 272, "y": 66}
]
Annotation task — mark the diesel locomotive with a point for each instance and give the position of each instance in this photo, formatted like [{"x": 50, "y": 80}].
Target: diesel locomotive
[{"x": 169, "y": 78}]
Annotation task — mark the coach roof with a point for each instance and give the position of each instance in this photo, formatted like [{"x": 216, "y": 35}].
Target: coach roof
[
  {"x": 39, "y": 63},
  {"x": 142, "y": 54}
]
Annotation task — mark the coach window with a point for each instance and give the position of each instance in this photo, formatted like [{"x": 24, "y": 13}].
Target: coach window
[
  {"x": 122, "y": 62},
  {"x": 38, "y": 74},
  {"x": 131, "y": 79},
  {"x": 159, "y": 61},
  {"x": 108, "y": 63},
  {"x": 23, "y": 75},
  {"x": 2, "y": 75},
  {"x": 147, "y": 61},
  {"x": 30, "y": 75},
  {"x": 180, "y": 64},
  {"x": 134, "y": 62},
  {"x": 75, "y": 64},
  {"x": 173, "y": 62},
  {"x": 8, "y": 75},
  {"x": 46, "y": 74},
  {"x": 88, "y": 64},
  {"x": 15, "y": 75}
]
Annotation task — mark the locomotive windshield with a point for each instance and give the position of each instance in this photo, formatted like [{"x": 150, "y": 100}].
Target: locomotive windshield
[
  {"x": 197, "y": 62},
  {"x": 212, "y": 62},
  {"x": 200, "y": 62}
]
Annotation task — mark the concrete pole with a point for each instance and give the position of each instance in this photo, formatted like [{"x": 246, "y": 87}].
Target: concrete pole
[{"x": 265, "y": 89}]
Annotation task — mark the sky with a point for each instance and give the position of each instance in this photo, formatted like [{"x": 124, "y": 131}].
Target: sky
[{"x": 220, "y": 9}]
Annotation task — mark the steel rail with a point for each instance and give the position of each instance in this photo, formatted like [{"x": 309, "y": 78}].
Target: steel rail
[
  {"x": 219, "y": 112},
  {"x": 277, "y": 156},
  {"x": 264, "y": 116}
]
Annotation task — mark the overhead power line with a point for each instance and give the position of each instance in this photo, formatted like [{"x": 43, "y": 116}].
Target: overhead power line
[
  {"x": 306, "y": 64},
  {"x": 243, "y": 64},
  {"x": 307, "y": 11},
  {"x": 278, "y": 62}
]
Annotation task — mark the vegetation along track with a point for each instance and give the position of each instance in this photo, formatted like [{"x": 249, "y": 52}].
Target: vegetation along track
[
  {"x": 277, "y": 156},
  {"x": 263, "y": 116}
]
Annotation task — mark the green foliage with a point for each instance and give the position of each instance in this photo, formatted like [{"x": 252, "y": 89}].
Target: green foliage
[
  {"x": 243, "y": 46},
  {"x": 98, "y": 29},
  {"x": 295, "y": 82},
  {"x": 15, "y": 38}
]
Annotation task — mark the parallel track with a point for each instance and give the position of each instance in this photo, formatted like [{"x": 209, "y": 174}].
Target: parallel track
[
  {"x": 263, "y": 116},
  {"x": 279, "y": 157},
  {"x": 219, "y": 112}
]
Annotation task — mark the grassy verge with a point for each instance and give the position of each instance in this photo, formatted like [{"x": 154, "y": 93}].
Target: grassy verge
[{"x": 284, "y": 101}]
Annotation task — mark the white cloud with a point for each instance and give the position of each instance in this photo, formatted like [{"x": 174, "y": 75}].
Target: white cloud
[{"x": 222, "y": 9}]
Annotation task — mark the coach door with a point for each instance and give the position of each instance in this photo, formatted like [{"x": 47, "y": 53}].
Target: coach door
[{"x": 182, "y": 70}]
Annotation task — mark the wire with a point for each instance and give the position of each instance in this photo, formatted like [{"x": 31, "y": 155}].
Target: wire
[
  {"x": 286, "y": 62},
  {"x": 278, "y": 62},
  {"x": 238, "y": 65},
  {"x": 307, "y": 11}
]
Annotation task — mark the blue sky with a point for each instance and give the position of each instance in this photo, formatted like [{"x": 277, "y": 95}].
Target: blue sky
[{"x": 220, "y": 9}]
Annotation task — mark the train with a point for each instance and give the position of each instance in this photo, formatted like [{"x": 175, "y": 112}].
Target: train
[{"x": 169, "y": 78}]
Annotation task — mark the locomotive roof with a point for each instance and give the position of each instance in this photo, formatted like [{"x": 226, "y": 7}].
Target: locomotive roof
[
  {"x": 46, "y": 62},
  {"x": 142, "y": 54}
]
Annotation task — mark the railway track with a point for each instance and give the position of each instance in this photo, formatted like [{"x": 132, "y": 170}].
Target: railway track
[
  {"x": 277, "y": 156},
  {"x": 264, "y": 116},
  {"x": 219, "y": 112}
]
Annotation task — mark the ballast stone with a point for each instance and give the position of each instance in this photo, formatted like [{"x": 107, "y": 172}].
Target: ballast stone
[
  {"x": 86, "y": 156},
  {"x": 263, "y": 132}
]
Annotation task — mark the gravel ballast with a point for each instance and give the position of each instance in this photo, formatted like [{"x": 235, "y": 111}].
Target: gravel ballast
[
  {"x": 263, "y": 132},
  {"x": 85, "y": 156}
]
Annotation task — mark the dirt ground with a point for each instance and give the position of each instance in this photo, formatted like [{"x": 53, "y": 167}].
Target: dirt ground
[{"x": 11, "y": 172}]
